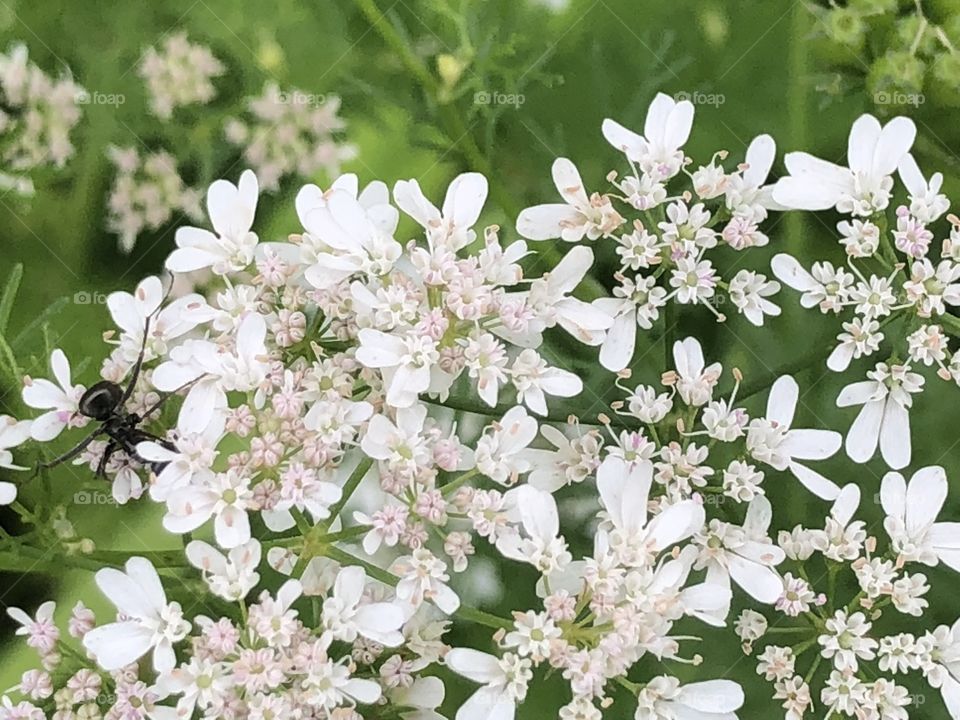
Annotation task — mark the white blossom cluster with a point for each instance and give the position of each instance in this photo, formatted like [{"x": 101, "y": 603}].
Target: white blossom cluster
[
  {"x": 290, "y": 132},
  {"x": 664, "y": 234},
  {"x": 900, "y": 278},
  {"x": 38, "y": 113},
  {"x": 179, "y": 73},
  {"x": 299, "y": 420},
  {"x": 146, "y": 193},
  {"x": 866, "y": 667}
]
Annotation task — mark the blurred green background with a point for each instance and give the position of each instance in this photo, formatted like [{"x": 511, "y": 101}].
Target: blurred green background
[{"x": 797, "y": 71}]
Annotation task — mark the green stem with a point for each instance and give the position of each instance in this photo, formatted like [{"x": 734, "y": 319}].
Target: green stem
[
  {"x": 359, "y": 472},
  {"x": 454, "y": 484}
]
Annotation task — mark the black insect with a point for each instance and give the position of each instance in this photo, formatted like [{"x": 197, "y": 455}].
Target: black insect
[{"x": 105, "y": 403}]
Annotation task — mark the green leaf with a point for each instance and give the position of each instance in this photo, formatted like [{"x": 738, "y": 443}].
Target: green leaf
[
  {"x": 55, "y": 307},
  {"x": 9, "y": 295},
  {"x": 8, "y": 361}
]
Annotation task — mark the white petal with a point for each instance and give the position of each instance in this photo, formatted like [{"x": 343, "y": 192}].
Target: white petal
[
  {"x": 791, "y": 273},
  {"x": 624, "y": 140},
  {"x": 926, "y": 494},
  {"x": 617, "y": 349},
  {"x": 474, "y": 665},
  {"x": 895, "y": 435},
  {"x": 864, "y": 136},
  {"x": 815, "y": 482},
  {"x": 812, "y": 444},
  {"x": 782, "y": 402},
  {"x": 760, "y": 156},
  {"x": 364, "y": 691},
  {"x": 894, "y": 143},
  {"x": 759, "y": 581},
  {"x": 893, "y": 495},
  {"x": 712, "y": 696},
  {"x": 118, "y": 644},
  {"x": 864, "y": 433},
  {"x": 465, "y": 198}
]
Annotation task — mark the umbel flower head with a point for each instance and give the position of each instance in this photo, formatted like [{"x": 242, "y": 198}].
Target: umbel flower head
[{"x": 357, "y": 435}]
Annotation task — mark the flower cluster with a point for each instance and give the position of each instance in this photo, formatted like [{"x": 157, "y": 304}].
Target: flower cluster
[
  {"x": 291, "y": 132},
  {"x": 663, "y": 234},
  {"x": 344, "y": 428},
  {"x": 865, "y": 670},
  {"x": 898, "y": 285},
  {"x": 146, "y": 193},
  {"x": 38, "y": 114},
  {"x": 179, "y": 73}
]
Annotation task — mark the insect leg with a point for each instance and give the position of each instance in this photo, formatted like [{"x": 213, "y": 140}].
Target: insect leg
[
  {"x": 105, "y": 458},
  {"x": 70, "y": 454}
]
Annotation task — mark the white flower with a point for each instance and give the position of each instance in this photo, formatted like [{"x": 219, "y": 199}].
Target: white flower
[
  {"x": 60, "y": 400},
  {"x": 846, "y": 641},
  {"x": 534, "y": 380},
  {"x": 862, "y": 189},
  {"x": 226, "y": 497},
  {"x": 189, "y": 463},
  {"x": 12, "y": 434},
  {"x": 425, "y": 695},
  {"x": 549, "y": 297},
  {"x": 658, "y": 151},
  {"x": 825, "y": 286},
  {"x": 131, "y": 311},
  {"x": 931, "y": 288},
  {"x": 344, "y": 237},
  {"x": 500, "y": 454},
  {"x": 688, "y": 228},
  {"x": 694, "y": 281},
  {"x": 664, "y": 697},
  {"x": 149, "y": 621},
  {"x": 912, "y": 511},
  {"x": 345, "y": 616},
  {"x": 230, "y": 248},
  {"x": 423, "y": 577},
  {"x": 231, "y": 577},
  {"x": 842, "y": 540},
  {"x": 746, "y": 194},
  {"x": 860, "y": 338},
  {"x": 541, "y": 544},
  {"x": 944, "y": 669},
  {"x": 771, "y": 440},
  {"x": 578, "y": 217},
  {"x": 694, "y": 382},
  {"x": 927, "y": 203},
  {"x": 485, "y": 358},
  {"x": 405, "y": 361},
  {"x": 634, "y": 537},
  {"x": 213, "y": 371},
  {"x": 636, "y": 303},
  {"x": 450, "y": 228},
  {"x": 744, "y": 554},
  {"x": 328, "y": 685},
  {"x": 749, "y": 292},
  {"x": 884, "y": 418},
  {"x": 201, "y": 681},
  {"x": 504, "y": 682}
]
